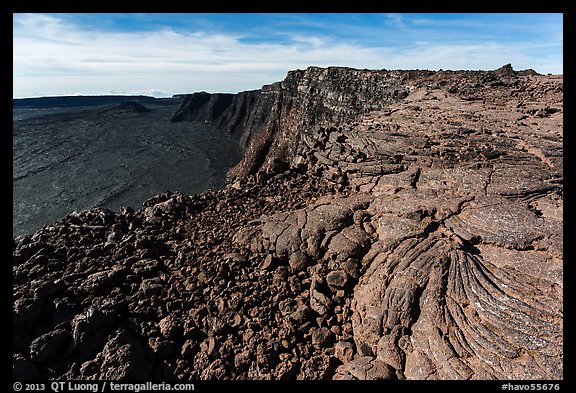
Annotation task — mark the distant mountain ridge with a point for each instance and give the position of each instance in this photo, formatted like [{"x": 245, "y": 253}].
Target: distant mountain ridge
[{"x": 71, "y": 101}]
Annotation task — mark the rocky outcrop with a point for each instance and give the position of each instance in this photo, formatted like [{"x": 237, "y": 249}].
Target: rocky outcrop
[
  {"x": 382, "y": 225},
  {"x": 126, "y": 107},
  {"x": 132, "y": 106}
]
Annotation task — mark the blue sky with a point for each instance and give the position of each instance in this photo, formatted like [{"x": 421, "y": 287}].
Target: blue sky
[{"x": 166, "y": 54}]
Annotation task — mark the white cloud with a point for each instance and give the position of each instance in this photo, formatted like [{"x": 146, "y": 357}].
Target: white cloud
[{"x": 52, "y": 57}]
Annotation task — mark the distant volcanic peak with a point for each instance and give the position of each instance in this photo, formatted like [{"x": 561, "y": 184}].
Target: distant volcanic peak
[
  {"x": 125, "y": 107},
  {"x": 132, "y": 106}
]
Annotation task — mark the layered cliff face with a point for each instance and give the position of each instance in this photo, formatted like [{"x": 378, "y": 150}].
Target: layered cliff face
[
  {"x": 381, "y": 225},
  {"x": 276, "y": 117}
]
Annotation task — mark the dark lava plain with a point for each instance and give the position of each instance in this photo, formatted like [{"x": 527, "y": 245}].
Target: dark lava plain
[{"x": 76, "y": 158}]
